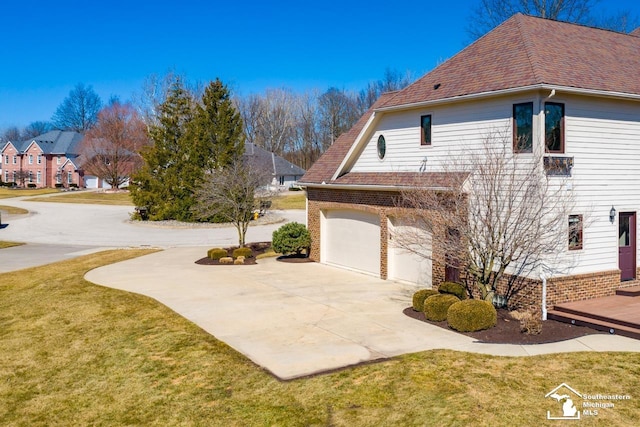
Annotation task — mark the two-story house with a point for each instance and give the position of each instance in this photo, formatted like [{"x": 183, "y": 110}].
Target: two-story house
[
  {"x": 574, "y": 89},
  {"x": 44, "y": 161}
]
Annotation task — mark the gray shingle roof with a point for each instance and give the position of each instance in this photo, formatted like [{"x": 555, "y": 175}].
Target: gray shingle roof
[
  {"x": 55, "y": 142},
  {"x": 270, "y": 161}
]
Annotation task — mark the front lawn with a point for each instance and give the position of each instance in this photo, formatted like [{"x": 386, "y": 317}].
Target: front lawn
[
  {"x": 4, "y": 244},
  {"x": 6, "y": 193},
  {"x": 73, "y": 353},
  {"x": 120, "y": 198},
  {"x": 12, "y": 210},
  {"x": 289, "y": 200}
]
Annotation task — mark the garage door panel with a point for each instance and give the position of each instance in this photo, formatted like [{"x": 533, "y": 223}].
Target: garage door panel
[
  {"x": 412, "y": 264},
  {"x": 352, "y": 239}
]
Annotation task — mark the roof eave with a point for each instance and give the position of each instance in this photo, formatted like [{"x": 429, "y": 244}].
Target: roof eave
[
  {"x": 369, "y": 187},
  {"x": 510, "y": 91}
]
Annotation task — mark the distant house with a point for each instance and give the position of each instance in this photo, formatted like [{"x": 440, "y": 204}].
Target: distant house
[
  {"x": 48, "y": 160},
  {"x": 574, "y": 90},
  {"x": 284, "y": 173}
]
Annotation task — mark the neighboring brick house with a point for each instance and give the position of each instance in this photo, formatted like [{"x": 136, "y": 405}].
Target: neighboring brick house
[
  {"x": 44, "y": 161},
  {"x": 577, "y": 83}
]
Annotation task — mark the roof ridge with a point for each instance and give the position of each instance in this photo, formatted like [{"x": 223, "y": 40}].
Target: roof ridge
[{"x": 528, "y": 44}]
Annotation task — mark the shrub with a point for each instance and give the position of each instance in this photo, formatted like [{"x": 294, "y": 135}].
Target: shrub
[
  {"x": 226, "y": 260},
  {"x": 31, "y": 185},
  {"x": 291, "y": 238},
  {"x": 420, "y": 296},
  {"x": 436, "y": 306},
  {"x": 58, "y": 185},
  {"x": 530, "y": 321},
  {"x": 242, "y": 252},
  {"x": 216, "y": 253},
  {"x": 454, "y": 289},
  {"x": 238, "y": 261},
  {"x": 472, "y": 315}
]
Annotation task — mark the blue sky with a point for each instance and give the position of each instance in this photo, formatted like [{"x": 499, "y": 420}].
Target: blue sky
[{"x": 47, "y": 47}]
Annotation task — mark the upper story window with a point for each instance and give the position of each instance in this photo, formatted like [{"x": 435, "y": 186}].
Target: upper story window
[
  {"x": 425, "y": 130},
  {"x": 575, "y": 232},
  {"x": 382, "y": 147},
  {"x": 523, "y": 127},
  {"x": 554, "y": 127},
  {"x": 6, "y": 159},
  {"x": 30, "y": 159},
  {"x": 39, "y": 159},
  {"x": 15, "y": 159},
  {"x": 58, "y": 159}
]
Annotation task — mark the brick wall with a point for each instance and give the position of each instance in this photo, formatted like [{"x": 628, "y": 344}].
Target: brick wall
[{"x": 381, "y": 203}]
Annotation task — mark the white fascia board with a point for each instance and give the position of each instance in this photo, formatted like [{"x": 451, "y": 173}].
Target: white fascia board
[
  {"x": 355, "y": 146},
  {"x": 503, "y": 92},
  {"x": 370, "y": 187}
]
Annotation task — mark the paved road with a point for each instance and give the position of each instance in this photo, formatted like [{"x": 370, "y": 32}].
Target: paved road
[{"x": 77, "y": 229}]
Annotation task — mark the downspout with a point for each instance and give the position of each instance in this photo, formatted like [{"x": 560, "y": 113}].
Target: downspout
[{"x": 544, "y": 296}]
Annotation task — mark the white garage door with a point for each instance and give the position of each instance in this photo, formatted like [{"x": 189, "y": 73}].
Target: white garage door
[
  {"x": 90, "y": 181},
  {"x": 351, "y": 239},
  {"x": 405, "y": 265}
]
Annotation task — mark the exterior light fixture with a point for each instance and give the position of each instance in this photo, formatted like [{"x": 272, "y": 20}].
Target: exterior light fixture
[{"x": 612, "y": 214}]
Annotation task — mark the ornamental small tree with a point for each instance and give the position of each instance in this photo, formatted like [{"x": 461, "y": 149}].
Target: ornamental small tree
[{"x": 291, "y": 238}]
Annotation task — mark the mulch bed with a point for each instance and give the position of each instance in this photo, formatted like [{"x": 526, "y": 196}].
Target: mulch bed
[
  {"x": 507, "y": 331},
  {"x": 258, "y": 248}
]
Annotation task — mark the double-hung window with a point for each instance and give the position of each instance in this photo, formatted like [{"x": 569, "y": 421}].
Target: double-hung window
[
  {"x": 554, "y": 127},
  {"x": 523, "y": 127},
  {"x": 30, "y": 159}
]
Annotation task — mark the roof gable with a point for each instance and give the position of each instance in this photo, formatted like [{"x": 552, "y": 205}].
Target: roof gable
[
  {"x": 270, "y": 161},
  {"x": 526, "y": 51},
  {"x": 55, "y": 142}
]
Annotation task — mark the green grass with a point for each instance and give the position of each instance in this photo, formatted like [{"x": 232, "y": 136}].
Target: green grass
[
  {"x": 122, "y": 198},
  {"x": 5, "y": 244},
  {"x": 73, "y": 353},
  {"x": 6, "y": 193},
  {"x": 12, "y": 210},
  {"x": 290, "y": 200}
]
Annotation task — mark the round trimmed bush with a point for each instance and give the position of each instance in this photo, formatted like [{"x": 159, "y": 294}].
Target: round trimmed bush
[
  {"x": 216, "y": 253},
  {"x": 436, "y": 306},
  {"x": 420, "y": 296},
  {"x": 454, "y": 289},
  {"x": 291, "y": 238},
  {"x": 244, "y": 252},
  {"x": 472, "y": 315}
]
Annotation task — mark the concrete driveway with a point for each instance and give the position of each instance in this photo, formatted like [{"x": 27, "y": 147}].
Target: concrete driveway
[
  {"x": 300, "y": 319},
  {"x": 59, "y": 231}
]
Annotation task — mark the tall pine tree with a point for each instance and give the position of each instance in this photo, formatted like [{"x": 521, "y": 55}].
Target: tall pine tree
[{"x": 189, "y": 140}]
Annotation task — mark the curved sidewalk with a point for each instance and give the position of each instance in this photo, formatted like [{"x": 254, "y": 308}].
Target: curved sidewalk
[{"x": 300, "y": 319}]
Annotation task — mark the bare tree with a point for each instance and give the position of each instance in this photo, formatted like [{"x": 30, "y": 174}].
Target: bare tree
[
  {"x": 79, "y": 110},
  {"x": 229, "y": 194},
  {"x": 36, "y": 128},
  {"x": 502, "y": 219},
  {"x": 338, "y": 113},
  {"x": 490, "y": 13},
  {"x": 111, "y": 148},
  {"x": 12, "y": 134},
  {"x": 392, "y": 80}
]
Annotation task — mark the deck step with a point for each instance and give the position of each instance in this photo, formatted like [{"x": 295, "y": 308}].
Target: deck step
[
  {"x": 632, "y": 291},
  {"x": 584, "y": 313},
  {"x": 598, "y": 324}
]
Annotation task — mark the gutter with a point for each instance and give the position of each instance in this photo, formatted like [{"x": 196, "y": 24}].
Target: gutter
[
  {"x": 368, "y": 187},
  {"x": 510, "y": 91}
]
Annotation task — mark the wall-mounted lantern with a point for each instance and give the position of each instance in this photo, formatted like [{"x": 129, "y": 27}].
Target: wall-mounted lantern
[{"x": 612, "y": 214}]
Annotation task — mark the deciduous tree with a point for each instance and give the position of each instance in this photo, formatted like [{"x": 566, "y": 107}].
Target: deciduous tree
[
  {"x": 110, "y": 150},
  {"x": 79, "y": 110},
  {"x": 502, "y": 218}
]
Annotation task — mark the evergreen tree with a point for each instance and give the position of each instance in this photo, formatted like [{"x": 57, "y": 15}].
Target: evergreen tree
[
  {"x": 161, "y": 185},
  {"x": 189, "y": 140},
  {"x": 216, "y": 130}
]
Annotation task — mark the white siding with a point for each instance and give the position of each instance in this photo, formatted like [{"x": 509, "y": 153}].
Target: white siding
[{"x": 602, "y": 135}]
